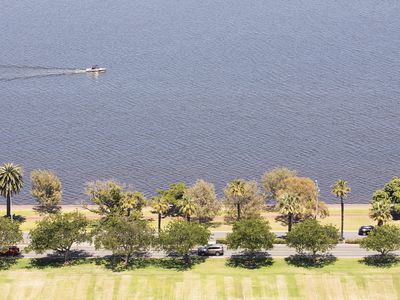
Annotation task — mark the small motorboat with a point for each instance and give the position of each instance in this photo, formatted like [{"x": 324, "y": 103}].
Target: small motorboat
[{"x": 95, "y": 69}]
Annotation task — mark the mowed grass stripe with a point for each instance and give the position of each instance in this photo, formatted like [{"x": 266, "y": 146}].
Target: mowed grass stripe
[
  {"x": 209, "y": 287},
  {"x": 212, "y": 279}
]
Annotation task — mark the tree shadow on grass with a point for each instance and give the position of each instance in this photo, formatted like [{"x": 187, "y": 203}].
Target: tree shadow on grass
[
  {"x": 8, "y": 262},
  {"x": 17, "y": 218},
  {"x": 116, "y": 263},
  {"x": 247, "y": 261},
  {"x": 56, "y": 260},
  {"x": 308, "y": 261},
  {"x": 382, "y": 261},
  {"x": 42, "y": 210}
]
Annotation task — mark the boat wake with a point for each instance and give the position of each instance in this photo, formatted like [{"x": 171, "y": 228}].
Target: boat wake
[{"x": 20, "y": 72}]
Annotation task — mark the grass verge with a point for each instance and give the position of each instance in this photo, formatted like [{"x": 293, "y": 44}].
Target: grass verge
[{"x": 212, "y": 279}]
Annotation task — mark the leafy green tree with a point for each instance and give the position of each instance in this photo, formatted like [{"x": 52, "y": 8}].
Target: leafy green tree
[
  {"x": 243, "y": 199},
  {"x": 187, "y": 207},
  {"x": 383, "y": 239},
  {"x": 307, "y": 192},
  {"x": 160, "y": 207},
  {"x": 124, "y": 236},
  {"x": 173, "y": 195},
  {"x": 381, "y": 207},
  {"x": 58, "y": 232},
  {"x": 46, "y": 188},
  {"x": 112, "y": 199},
  {"x": 11, "y": 183},
  {"x": 313, "y": 237},
  {"x": 392, "y": 188},
  {"x": 274, "y": 181},
  {"x": 133, "y": 202},
  {"x": 251, "y": 235},
  {"x": 10, "y": 233},
  {"x": 181, "y": 236},
  {"x": 289, "y": 204},
  {"x": 205, "y": 199},
  {"x": 340, "y": 189}
]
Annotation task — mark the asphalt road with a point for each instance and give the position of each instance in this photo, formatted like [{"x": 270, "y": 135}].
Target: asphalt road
[{"x": 341, "y": 250}]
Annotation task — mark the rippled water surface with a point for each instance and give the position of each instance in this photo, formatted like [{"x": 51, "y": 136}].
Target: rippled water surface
[{"x": 201, "y": 89}]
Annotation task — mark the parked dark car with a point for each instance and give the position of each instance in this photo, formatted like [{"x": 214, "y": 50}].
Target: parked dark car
[
  {"x": 215, "y": 249},
  {"x": 11, "y": 251},
  {"x": 365, "y": 229}
]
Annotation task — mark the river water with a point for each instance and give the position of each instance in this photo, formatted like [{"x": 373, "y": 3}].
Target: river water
[{"x": 201, "y": 89}]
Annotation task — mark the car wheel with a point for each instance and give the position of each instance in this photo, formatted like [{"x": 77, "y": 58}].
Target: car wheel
[{"x": 217, "y": 253}]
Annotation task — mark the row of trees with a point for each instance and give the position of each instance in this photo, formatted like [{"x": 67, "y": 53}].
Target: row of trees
[
  {"x": 296, "y": 198},
  {"x": 126, "y": 236}
]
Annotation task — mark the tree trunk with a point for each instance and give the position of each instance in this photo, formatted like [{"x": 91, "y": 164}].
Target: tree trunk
[
  {"x": 188, "y": 218},
  {"x": 159, "y": 223},
  {"x": 290, "y": 221},
  {"x": 238, "y": 211},
  {"x": 380, "y": 222},
  {"x": 66, "y": 256},
  {"x": 129, "y": 212},
  {"x": 8, "y": 206},
  {"x": 126, "y": 261},
  {"x": 314, "y": 256},
  {"x": 186, "y": 259},
  {"x": 342, "y": 220}
]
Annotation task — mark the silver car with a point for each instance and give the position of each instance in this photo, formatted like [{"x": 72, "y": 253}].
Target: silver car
[{"x": 215, "y": 249}]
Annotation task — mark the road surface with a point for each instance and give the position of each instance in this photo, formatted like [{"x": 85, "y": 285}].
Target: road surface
[{"x": 341, "y": 250}]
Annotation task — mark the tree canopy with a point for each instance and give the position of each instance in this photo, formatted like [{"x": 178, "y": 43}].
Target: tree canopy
[
  {"x": 244, "y": 197},
  {"x": 59, "y": 232},
  {"x": 289, "y": 205},
  {"x": 46, "y": 189},
  {"x": 124, "y": 236},
  {"x": 380, "y": 207},
  {"x": 173, "y": 196},
  {"x": 306, "y": 190},
  {"x": 111, "y": 199},
  {"x": 251, "y": 235},
  {"x": 312, "y": 237},
  {"x": 383, "y": 239},
  {"x": 181, "y": 236},
  {"x": 204, "y": 197},
  {"x": 274, "y": 180},
  {"x": 10, "y": 233}
]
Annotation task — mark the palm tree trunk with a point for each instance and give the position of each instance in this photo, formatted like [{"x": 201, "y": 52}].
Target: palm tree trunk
[
  {"x": 290, "y": 221},
  {"x": 342, "y": 220},
  {"x": 8, "y": 205},
  {"x": 159, "y": 223},
  {"x": 188, "y": 218},
  {"x": 238, "y": 211}
]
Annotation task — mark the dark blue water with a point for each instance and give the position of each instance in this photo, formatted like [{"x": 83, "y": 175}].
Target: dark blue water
[{"x": 202, "y": 89}]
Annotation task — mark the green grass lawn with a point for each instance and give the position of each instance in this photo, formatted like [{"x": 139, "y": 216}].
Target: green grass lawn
[
  {"x": 355, "y": 216},
  {"x": 345, "y": 279}
]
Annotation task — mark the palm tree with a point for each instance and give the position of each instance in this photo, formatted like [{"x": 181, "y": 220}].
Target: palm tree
[
  {"x": 289, "y": 204},
  {"x": 187, "y": 207},
  {"x": 10, "y": 183},
  {"x": 381, "y": 210},
  {"x": 160, "y": 206},
  {"x": 236, "y": 189},
  {"x": 340, "y": 189}
]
